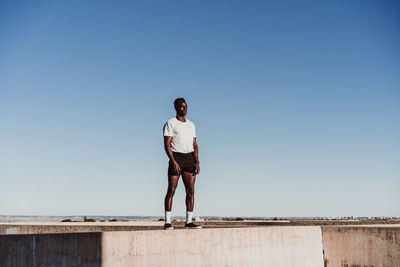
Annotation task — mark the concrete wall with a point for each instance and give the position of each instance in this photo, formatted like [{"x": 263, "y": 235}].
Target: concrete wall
[
  {"x": 361, "y": 246},
  {"x": 80, "y": 227},
  {"x": 61, "y": 250},
  {"x": 257, "y": 246},
  {"x": 267, "y": 246},
  {"x": 7, "y": 229}
]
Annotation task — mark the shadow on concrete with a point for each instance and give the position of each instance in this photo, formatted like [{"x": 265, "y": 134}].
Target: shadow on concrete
[{"x": 78, "y": 249}]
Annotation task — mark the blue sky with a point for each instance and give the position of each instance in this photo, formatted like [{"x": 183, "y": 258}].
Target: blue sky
[{"x": 296, "y": 106}]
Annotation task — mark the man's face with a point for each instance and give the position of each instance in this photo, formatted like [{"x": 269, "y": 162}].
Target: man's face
[{"x": 181, "y": 109}]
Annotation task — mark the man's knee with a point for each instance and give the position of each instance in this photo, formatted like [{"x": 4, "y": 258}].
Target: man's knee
[
  {"x": 190, "y": 192},
  {"x": 171, "y": 191}
]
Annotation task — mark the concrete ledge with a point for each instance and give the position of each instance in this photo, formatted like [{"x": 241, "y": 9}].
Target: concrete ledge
[
  {"x": 365, "y": 246},
  {"x": 308, "y": 246},
  {"x": 263, "y": 246},
  {"x": 68, "y": 228}
]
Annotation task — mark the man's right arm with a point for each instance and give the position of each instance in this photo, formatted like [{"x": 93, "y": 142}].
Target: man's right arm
[{"x": 168, "y": 150}]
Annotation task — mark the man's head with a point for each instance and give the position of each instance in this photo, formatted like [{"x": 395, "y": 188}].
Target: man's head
[{"x": 180, "y": 106}]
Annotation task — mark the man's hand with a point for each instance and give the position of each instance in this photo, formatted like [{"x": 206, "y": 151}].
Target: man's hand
[
  {"x": 197, "y": 171},
  {"x": 196, "y": 156},
  {"x": 176, "y": 167}
]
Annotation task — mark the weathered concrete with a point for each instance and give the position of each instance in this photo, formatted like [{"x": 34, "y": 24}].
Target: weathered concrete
[
  {"x": 344, "y": 246},
  {"x": 79, "y": 249},
  {"x": 79, "y": 227},
  {"x": 264, "y": 246},
  {"x": 267, "y": 246},
  {"x": 6, "y": 229},
  {"x": 364, "y": 246}
]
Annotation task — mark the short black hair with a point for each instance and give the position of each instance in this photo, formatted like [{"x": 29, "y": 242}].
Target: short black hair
[{"x": 179, "y": 100}]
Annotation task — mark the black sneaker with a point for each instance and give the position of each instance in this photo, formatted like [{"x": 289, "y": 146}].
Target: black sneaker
[
  {"x": 192, "y": 226},
  {"x": 168, "y": 226}
]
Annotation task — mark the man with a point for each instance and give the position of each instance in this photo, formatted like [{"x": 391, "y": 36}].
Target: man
[{"x": 183, "y": 153}]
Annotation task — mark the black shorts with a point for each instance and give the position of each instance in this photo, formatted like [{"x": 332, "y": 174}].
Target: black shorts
[{"x": 185, "y": 161}]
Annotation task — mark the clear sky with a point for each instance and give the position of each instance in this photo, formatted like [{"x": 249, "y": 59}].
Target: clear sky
[{"x": 296, "y": 105}]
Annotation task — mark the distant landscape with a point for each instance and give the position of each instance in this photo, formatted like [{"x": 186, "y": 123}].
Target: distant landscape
[{"x": 22, "y": 218}]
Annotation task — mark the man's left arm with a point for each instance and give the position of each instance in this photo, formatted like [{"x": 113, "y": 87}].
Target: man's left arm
[{"x": 196, "y": 155}]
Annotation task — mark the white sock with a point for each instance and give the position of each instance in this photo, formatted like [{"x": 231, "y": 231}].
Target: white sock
[
  {"x": 189, "y": 215},
  {"x": 167, "y": 217}
]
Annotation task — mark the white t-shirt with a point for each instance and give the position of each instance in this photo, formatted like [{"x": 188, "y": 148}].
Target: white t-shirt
[{"x": 182, "y": 135}]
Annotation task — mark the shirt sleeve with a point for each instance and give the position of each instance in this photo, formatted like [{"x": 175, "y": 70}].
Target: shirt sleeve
[
  {"x": 168, "y": 130},
  {"x": 194, "y": 130}
]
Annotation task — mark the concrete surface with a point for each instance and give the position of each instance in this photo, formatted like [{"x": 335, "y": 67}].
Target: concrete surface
[
  {"x": 134, "y": 244},
  {"x": 267, "y": 246},
  {"x": 263, "y": 246},
  {"x": 77, "y": 227},
  {"x": 364, "y": 246},
  {"x": 39, "y": 228},
  {"x": 78, "y": 249}
]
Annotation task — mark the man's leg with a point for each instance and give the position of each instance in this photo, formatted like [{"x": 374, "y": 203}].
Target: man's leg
[
  {"x": 172, "y": 184},
  {"x": 188, "y": 180}
]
